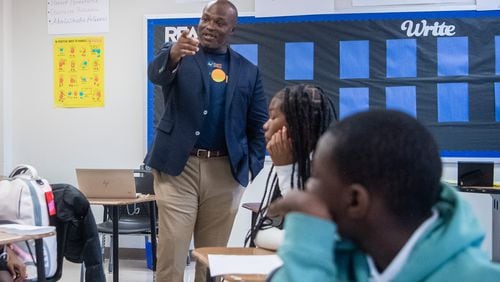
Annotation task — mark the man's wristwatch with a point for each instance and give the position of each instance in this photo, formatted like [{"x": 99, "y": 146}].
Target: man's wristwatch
[{"x": 3, "y": 255}]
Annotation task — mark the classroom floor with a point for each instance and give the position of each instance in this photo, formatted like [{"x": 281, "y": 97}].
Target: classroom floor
[{"x": 130, "y": 271}]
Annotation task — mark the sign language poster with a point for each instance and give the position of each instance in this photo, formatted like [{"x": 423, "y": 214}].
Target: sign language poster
[{"x": 79, "y": 72}]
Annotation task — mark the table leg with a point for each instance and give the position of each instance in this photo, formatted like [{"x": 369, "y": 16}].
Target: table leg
[
  {"x": 209, "y": 276},
  {"x": 153, "y": 231},
  {"x": 254, "y": 218},
  {"x": 40, "y": 262},
  {"x": 254, "y": 221},
  {"x": 115, "y": 243},
  {"x": 495, "y": 208}
]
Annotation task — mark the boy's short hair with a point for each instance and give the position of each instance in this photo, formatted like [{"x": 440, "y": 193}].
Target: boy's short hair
[{"x": 392, "y": 155}]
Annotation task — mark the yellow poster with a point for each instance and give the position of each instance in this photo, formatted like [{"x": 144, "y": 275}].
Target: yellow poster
[{"x": 79, "y": 72}]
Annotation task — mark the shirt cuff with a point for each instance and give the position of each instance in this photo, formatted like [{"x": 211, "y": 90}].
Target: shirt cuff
[{"x": 284, "y": 173}]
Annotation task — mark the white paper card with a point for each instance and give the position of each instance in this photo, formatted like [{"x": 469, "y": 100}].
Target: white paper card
[
  {"x": 487, "y": 5},
  {"x": 268, "y": 8},
  {"x": 22, "y": 229},
  {"x": 239, "y": 264},
  {"x": 407, "y": 2},
  {"x": 82, "y": 16}
]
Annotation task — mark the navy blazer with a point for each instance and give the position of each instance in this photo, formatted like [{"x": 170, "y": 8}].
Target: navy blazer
[{"x": 186, "y": 97}]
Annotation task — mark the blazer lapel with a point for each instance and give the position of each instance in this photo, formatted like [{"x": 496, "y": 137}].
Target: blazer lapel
[
  {"x": 234, "y": 74},
  {"x": 201, "y": 60}
]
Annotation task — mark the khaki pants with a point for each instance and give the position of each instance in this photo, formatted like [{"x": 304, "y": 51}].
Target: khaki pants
[{"x": 202, "y": 200}]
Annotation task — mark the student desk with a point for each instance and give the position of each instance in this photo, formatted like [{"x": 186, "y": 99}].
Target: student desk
[
  {"x": 7, "y": 238},
  {"x": 115, "y": 204},
  {"x": 201, "y": 255}
]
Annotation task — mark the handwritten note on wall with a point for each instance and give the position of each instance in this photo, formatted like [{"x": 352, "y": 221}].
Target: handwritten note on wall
[
  {"x": 77, "y": 16},
  {"x": 79, "y": 72}
]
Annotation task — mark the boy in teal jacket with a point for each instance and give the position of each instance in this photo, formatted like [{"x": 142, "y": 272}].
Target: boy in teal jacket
[{"x": 374, "y": 210}]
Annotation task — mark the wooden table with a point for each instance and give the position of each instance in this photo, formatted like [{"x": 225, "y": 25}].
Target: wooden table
[
  {"x": 7, "y": 238},
  {"x": 201, "y": 255},
  {"x": 115, "y": 204}
]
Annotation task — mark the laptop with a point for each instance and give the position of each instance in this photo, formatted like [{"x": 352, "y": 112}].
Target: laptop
[
  {"x": 106, "y": 183},
  {"x": 476, "y": 177}
]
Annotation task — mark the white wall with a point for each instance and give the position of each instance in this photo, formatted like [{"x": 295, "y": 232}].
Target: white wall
[
  {"x": 2, "y": 41},
  {"x": 57, "y": 140},
  {"x": 3, "y": 19}
]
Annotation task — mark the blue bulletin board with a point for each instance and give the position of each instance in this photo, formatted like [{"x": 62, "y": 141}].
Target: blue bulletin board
[{"x": 441, "y": 67}]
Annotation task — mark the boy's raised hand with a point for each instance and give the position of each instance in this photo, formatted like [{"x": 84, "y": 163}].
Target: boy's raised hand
[{"x": 299, "y": 201}]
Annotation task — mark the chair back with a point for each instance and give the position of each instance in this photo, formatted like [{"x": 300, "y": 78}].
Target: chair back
[{"x": 144, "y": 181}]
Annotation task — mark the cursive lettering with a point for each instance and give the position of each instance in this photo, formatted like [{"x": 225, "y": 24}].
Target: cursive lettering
[{"x": 423, "y": 29}]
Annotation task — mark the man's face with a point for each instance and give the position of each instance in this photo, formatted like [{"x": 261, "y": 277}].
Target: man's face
[
  {"x": 216, "y": 24},
  {"x": 325, "y": 181},
  {"x": 276, "y": 119}
]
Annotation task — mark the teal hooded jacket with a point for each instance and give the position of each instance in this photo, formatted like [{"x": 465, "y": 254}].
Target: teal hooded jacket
[{"x": 448, "y": 251}]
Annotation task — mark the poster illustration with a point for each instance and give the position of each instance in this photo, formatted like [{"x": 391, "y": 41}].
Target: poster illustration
[{"x": 79, "y": 72}]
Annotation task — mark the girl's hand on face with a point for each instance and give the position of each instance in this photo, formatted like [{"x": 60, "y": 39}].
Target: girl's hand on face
[{"x": 280, "y": 148}]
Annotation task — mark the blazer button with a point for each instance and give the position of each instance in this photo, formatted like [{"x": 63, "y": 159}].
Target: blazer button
[
  {"x": 196, "y": 133},
  {"x": 205, "y": 112}
]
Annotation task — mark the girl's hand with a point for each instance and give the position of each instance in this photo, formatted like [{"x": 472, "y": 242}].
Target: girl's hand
[{"x": 280, "y": 148}]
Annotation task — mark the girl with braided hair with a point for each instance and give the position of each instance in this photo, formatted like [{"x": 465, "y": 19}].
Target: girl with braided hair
[{"x": 298, "y": 115}]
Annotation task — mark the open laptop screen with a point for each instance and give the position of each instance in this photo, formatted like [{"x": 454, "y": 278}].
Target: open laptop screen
[
  {"x": 106, "y": 183},
  {"x": 478, "y": 174}
]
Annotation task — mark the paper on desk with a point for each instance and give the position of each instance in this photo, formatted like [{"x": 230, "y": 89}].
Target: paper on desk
[
  {"x": 241, "y": 264},
  {"x": 22, "y": 229}
]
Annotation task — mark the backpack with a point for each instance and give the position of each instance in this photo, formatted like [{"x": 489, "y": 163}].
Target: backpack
[{"x": 27, "y": 199}]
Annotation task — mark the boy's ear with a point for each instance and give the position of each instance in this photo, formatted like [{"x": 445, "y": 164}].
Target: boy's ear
[{"x": 358, "y": 201}]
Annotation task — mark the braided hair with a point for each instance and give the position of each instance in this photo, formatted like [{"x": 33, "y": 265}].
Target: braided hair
[{"x": 308, "y": 112}]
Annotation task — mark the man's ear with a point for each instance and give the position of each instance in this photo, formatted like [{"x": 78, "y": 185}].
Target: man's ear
[{"x": 358, "y": 200}]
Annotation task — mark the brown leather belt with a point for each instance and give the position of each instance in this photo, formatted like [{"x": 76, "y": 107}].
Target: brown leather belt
[{"x": 207, "y": 154}]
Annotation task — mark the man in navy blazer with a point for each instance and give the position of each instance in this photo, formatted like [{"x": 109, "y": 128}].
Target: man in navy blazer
[{"x": 209, "y": 140}]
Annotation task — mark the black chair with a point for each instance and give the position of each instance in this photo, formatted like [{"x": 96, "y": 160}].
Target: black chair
[{"x": 133, "y": 219}]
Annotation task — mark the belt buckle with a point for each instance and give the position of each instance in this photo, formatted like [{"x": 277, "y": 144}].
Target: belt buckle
[{"x": 199, "y": 153}]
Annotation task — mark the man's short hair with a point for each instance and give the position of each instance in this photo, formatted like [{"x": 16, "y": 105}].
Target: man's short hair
[
  {"x": 227, "y": 3},
  {"x": 392, "y": 155}
]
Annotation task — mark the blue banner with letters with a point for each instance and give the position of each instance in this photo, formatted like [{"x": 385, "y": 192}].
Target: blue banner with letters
[{"x": 441, "y": 67}]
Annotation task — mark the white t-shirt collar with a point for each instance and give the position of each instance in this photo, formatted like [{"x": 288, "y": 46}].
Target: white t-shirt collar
[{"x": 400, "y": 259}]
